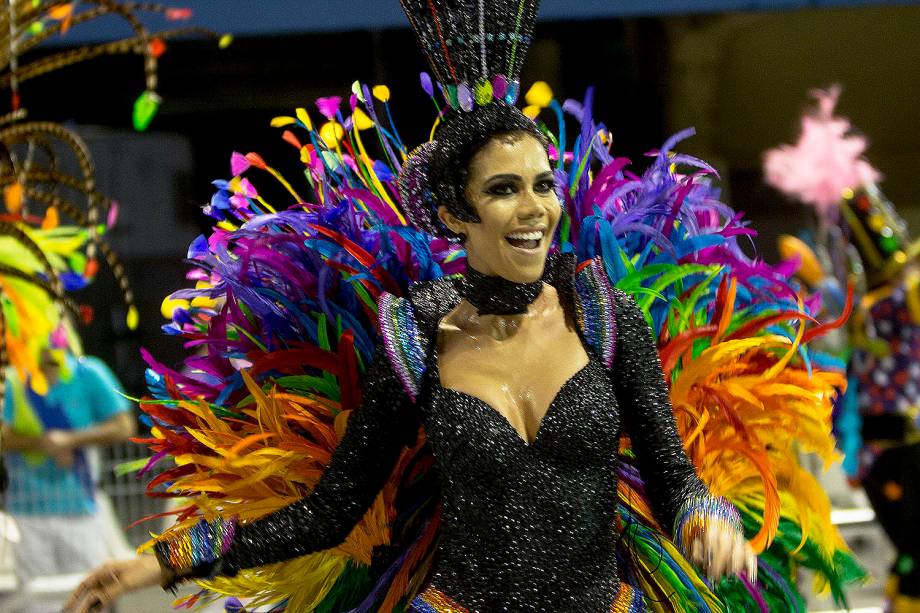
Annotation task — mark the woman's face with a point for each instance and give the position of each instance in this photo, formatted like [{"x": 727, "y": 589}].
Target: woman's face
[{"x": 511, "y": 187}]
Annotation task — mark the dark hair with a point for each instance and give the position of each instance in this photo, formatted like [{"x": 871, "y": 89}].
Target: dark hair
[{"x": 459, "y": 138}]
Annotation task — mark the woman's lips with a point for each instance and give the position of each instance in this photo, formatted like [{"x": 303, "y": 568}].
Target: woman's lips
[{"x": 527, "y": 242}]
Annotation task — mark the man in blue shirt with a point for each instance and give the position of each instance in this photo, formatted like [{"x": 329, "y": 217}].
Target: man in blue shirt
[{"x": 51, "y": 491}]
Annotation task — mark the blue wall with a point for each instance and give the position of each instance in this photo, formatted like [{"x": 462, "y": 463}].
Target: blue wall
[{"x": 245, "y": 17}]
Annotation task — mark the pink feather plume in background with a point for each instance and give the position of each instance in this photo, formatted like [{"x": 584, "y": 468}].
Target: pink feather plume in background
[{"x": 827, "y": 159}]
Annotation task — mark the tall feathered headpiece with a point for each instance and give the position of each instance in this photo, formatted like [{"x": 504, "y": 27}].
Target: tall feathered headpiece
[{"x": 476, "y": 48}]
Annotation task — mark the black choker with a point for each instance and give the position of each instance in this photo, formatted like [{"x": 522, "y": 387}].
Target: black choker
[{"x": 498, "y": 296}]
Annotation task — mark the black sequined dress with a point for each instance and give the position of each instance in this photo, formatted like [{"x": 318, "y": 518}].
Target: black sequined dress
[{"x": 526, "y": 527}]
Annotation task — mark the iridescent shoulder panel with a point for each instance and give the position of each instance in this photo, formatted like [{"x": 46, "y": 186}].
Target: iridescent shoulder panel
[
  {"x": 403, "y": 342},
  {"x": 595, "y": 310}
]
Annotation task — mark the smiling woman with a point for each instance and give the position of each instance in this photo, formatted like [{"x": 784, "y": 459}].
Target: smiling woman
[{"x": 512, "y": 191}]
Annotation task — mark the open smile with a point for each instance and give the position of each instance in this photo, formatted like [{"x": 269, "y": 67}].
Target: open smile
[{"x": 528, "y": 242}]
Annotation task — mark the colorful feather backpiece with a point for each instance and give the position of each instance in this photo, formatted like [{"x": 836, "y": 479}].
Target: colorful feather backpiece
[{"x": 282, "y": 321}]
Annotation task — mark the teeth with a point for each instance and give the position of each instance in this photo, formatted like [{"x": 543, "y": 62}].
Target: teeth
[{"x": 526, "y": 236}]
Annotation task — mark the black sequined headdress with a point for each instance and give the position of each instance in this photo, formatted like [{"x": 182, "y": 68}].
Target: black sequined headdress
[{"x": 476, "y": 49}]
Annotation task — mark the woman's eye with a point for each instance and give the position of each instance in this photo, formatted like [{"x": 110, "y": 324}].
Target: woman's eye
[
  {"x": 544, "y": 187},
  {"x": 501, "y": 189}
]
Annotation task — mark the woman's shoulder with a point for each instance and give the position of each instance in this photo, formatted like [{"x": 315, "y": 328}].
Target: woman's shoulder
[
  {"x": 426, "y": 303},
  {"x": 408, "y": 325},
  {"x": 597, "y": 304},
  {"x": 432, "y": 300}
]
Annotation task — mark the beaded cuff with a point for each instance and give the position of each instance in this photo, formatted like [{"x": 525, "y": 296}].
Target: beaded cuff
[
  {"x": 697, "y": 514},
  {"x": 195, "y": 551},
  {"x": 433, "y": 600},
  {"x": 629, "y": 600}
]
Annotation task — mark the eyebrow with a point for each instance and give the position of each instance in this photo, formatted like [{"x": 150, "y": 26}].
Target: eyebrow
[{"x": 513, "y": 177}]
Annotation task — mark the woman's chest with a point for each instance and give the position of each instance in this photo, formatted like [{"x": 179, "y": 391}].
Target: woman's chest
[
  {"x": 580, "y": 425},
  {"x": 519, "y": 377}
]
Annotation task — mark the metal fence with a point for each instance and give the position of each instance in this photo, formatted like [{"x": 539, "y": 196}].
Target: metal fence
[{"x": 127, "y": 493}]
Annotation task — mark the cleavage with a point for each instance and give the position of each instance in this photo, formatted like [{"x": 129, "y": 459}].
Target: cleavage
[{"x": 520, "y": 389}]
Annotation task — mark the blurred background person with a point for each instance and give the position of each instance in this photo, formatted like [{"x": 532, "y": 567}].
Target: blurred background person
[
  {"x": 863, "y": 242},
  {"x": 52, "y": 486}
]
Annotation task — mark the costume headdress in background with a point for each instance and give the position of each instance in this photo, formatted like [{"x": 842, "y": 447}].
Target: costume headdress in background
[
  {"x": 54, "y": 217},
  {"x": 476, "y": 51},
  {"x": 826, "y": 169},
  {"x": 878, "y": 419},
  {"x": 878, "y": 233},
  {"x": 55, "y": 214}
]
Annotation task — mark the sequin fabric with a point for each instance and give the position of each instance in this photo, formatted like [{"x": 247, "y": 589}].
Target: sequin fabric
[
  {"x": 531, "y": 527},
  {"x": 476, "y": 48},
  {"x": 889, "y": 383},
  {"x": 196, "y": 550},
  {"x": 401, "y": 340},
  {"x": 629, "y": 600},
  {"x": 698, "y": 513},
  {"x": 361, "y": 464},
  {"x": 525, "y": 527},
  {"x": 432, "y": 600},
  {"x": 595, "y": 310},
  {"x": 496, "y": 295},
  {"x": 415, "y": 192}
]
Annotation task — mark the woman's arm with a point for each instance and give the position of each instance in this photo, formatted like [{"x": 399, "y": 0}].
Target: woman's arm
[
  {"x": 648, "y": 418},
  {"x": 680, "y": 500},
  {"x": 376, "y": 433}
]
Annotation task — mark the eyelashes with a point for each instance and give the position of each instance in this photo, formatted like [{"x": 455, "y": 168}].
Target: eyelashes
[
  {"x": 501, "y": 189},
  {"x": 547, "y": 186}
]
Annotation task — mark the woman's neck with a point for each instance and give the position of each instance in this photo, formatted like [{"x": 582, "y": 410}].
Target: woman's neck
[
  {"x": 470, "y": 322},
  {"x": 498, "y": 296}
]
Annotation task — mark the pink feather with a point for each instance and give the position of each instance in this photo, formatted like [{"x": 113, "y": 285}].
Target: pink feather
[
  {"x": 238, "y": 164},
  {"x": 827, "y": 159}
]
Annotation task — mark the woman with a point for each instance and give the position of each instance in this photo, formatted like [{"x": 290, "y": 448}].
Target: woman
[
  {"x": 521, "y": 413},
  {"x": 523, "y": 372}
]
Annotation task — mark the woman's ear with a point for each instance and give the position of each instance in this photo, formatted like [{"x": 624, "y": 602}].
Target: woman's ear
[{"x": 453, "y": 224}]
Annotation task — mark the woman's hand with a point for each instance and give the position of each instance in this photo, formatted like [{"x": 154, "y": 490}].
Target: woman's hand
[
  {"x": 113, "y": 579},
  {"x": 722, "y": 550}
]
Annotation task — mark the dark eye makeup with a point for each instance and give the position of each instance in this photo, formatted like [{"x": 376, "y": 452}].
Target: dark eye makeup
[{"x": 508, "y": 186}]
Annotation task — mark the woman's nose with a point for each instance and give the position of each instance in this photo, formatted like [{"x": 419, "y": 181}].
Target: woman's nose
[{"x": 530, "y": 205}]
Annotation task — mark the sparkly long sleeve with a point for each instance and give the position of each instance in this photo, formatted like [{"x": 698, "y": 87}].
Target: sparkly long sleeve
[
  {"x": 359, "y": 467},
  {"x": 648, "y": 418}
]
